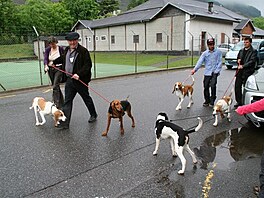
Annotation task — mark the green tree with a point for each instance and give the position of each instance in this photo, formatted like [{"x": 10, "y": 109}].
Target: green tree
[
  {"x": 47, "y": 17},
  {"x": 7, "y": 10},
  {"x": 259, "y": 22},
  {"x": 82, "y": 9},
  {"x": 135, "y": 3},
  {"x": 108, "y": 6}
]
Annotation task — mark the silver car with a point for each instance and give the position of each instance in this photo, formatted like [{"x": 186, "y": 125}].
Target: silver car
[{"x": 254, "y": 91}]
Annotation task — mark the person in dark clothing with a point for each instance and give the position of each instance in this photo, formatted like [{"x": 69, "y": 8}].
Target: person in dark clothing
[
  {"x": 52, "y": 52},
  {"x": 246, "y": 59},
  {"x": 76, "y": 60}
]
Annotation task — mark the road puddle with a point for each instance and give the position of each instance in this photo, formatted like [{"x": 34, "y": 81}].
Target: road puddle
[
  {"x": 230, "y": 146},
  {"x": 222, "y": 149}
]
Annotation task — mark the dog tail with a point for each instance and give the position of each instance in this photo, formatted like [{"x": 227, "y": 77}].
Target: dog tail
[
  {"x": 192, "y": 80},
  {"x": 127, "y": 98},
  {"x": 197, "y": 128}
]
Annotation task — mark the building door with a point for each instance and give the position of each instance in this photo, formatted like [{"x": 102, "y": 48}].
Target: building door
[{"x": 203, "y": 45}]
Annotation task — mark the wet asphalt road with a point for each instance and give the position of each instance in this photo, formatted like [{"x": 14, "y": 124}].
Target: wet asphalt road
[{"x": 45, "y": 162}]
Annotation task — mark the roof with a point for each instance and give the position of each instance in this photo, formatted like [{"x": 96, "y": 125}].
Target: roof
[
  {"x": 243, "y": 23},
  {"x": 148, "y": 10},
  {"x": 258, "y": 32}
]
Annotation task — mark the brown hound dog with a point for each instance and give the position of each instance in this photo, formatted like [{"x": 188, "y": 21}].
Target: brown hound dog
[{"x": 117, "y": 109}]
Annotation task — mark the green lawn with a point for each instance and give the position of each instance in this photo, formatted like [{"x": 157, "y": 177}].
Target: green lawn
[
  {"x": 16, "y": 51},
  {"x": 117, "y": 58}
]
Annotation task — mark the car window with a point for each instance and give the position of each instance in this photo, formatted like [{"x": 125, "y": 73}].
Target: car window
[
  {"x": 255, "y": 45},
  {"x": 238, "y": 46}
]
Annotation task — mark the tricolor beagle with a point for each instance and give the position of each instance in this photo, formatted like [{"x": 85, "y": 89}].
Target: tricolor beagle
[
  {"x": 43, "y": 107},
  {"x": 223, "y": 106},
  {"x": 179, "y": 138},
  {"x": 183, "y": 90}
]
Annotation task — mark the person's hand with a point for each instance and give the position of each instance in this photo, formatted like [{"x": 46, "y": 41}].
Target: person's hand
[
  {"x": 75, "y": 76},
  {"x": 240, "y": 67},
  {"x": 192, "y": 72},
  {"x": 239, "y": 111},
  {"x": 46, "y": 68}
]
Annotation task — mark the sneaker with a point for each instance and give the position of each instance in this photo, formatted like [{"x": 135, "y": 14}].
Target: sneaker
[
  {"x": 93, "y": 118},
  {"x": 205, "y": 104}
]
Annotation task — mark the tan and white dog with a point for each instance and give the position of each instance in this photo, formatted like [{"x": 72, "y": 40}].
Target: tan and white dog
[
  {"x": 45, "y": 107},
  {"x": 183, "y": 90},
  {"x": 222, "y": 107}
]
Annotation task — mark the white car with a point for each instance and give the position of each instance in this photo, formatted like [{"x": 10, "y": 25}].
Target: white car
[
  {"x": 225, "y": 47},
  {"x": 254, "y": 91},
  {"x": 231, "y": 56}
]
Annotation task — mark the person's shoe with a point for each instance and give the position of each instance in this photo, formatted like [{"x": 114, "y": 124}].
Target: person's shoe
[
  {"x": 211, "y": 105},
  {"x": 62, "y": 126},
  {"x": 93, "y": 118},
  {"x": 237, "y": 105},
  {"x": 205, "y": 104}
]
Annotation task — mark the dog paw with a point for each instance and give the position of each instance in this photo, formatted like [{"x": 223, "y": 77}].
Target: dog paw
[
  {"x": 229, "y": 120},
  {"x": 174, "y": 155},
  {"x": 104, "y": 133},
  {"x": 215, "y": 124},
  {"x": 155, "y": 153},
  {"x": 180, "y": 172},
  {"x": 188, "y": 107},
  {"x": 178, "y": 108},
  {"x": 37, "y": 124},
  {"x": 133, "y": 125},
  {"x": 195, "y": 162}
]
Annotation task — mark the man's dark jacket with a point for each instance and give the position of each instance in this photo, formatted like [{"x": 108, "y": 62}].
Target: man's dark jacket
[
  {"x": 249, "y": 62},
  {"x": 82, "y": 63}
]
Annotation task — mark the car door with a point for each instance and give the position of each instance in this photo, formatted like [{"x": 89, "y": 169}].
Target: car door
[{"x": 261, "y": 53}]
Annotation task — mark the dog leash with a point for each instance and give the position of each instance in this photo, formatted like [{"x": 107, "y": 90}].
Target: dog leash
[
  {"x": 230, "y": 84},
  {"x": 70, "y": 74},
  {"x": 196, "y": 125},
  {"x": 190, "y": 118},
  {"x": 186, "y": 79}
]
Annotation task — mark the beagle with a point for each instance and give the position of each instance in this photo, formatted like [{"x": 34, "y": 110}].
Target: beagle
[
  {"x": 183, "y": 90},
  {"x": 117, "y": 109},
  {"x": 222, "y": 106},
  {"x": 179, "y": 138},
  {"x": 43, "y": 107}
]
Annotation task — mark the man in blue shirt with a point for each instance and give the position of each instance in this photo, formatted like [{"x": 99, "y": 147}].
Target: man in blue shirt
[{"x": 212, "y": 59}]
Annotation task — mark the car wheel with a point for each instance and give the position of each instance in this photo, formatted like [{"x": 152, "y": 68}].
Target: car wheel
[{"x": 229, "y": 66}]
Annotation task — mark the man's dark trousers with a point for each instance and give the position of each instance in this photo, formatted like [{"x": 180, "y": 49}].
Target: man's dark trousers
[
  {"x": 210, "y": 81},
  {"x": 72, "y": 87}
]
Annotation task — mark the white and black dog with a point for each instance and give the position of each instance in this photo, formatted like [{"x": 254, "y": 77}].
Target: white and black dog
[{"x": 179, "y": 138}]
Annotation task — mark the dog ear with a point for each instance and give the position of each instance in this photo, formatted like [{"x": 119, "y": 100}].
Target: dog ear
[
  {"x": 112, "y": 104},
  {"x": 57, "y": 114},
  {"x": 174, "y": 88}
]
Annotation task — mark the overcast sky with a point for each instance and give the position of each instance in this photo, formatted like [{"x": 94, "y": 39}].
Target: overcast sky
[{"x": 259, "y": 4}]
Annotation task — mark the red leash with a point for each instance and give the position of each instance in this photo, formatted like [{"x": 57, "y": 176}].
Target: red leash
[
  {"x": 70, "y": 74},
  {"x": 231, "y": 83}
]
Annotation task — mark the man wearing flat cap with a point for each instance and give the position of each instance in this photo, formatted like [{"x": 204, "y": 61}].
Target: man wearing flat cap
[
  {"x": 76, "y": 61},
  {"x": 212, "y": 60}
]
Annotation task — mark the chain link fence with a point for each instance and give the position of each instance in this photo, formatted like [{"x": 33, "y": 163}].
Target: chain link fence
[{"x": 21, "y": 62}]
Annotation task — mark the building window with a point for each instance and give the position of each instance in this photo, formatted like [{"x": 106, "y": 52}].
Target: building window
[
  {"x": 89, "y": 39},
  {"x": 159, "y": 37},
  {"x": 97, "y": 38},
  {"x": 112, "y": 39},
  {"x": 103, "y": 38},
  {"x": 136, "y": 39}
]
